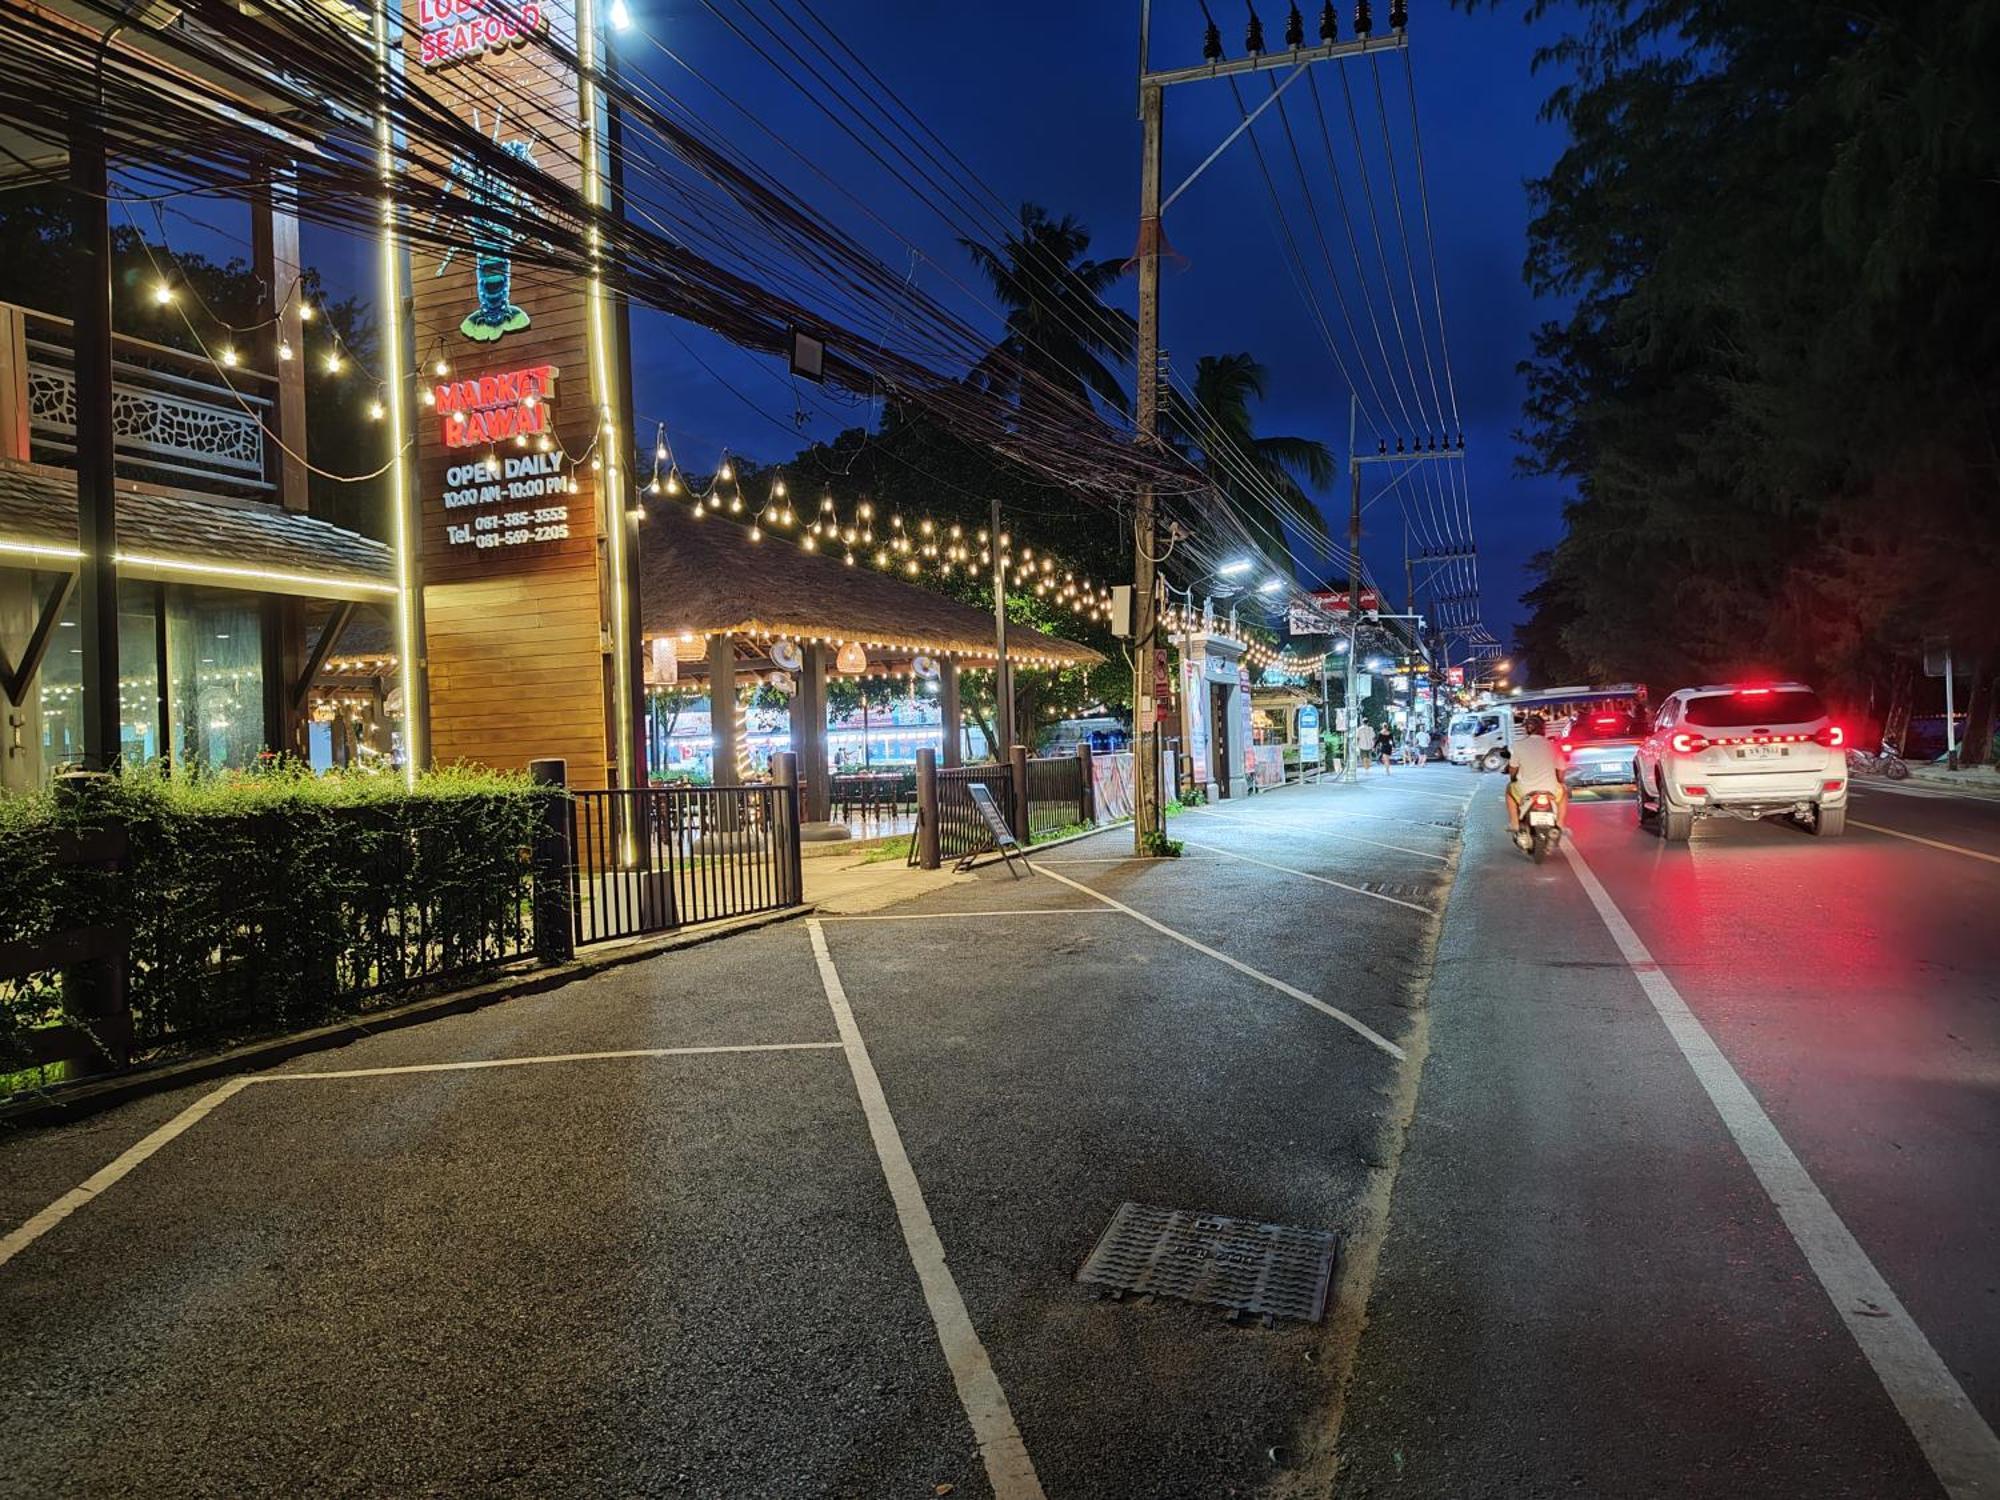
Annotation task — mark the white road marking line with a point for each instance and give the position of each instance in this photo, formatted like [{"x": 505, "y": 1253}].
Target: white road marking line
[
  {"x": 947, "y": 916},
  {"x": 1897, "y": 833},
  {"x": 473, "y": 1064},
  {"x": 1360, "y": 1027},
  {"x": 1008, "y": 1468},
  {"x": 122, "y": 1164},
  {"x": 1123, "y": 859},
  {"x": 1962, "y": 1450},
  {"x": 1341, "y": 812},
  {"x": 1316, "y": 833},
  {"x": 1308, "y": 875}
]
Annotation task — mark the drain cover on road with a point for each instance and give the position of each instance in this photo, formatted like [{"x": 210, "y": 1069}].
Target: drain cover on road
[
  {"x": 1400, "y": 892},
  {"x": 1269, "y": 1269}
]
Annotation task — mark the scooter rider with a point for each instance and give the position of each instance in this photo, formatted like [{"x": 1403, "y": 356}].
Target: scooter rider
[{"x": 1534, "y": 766}]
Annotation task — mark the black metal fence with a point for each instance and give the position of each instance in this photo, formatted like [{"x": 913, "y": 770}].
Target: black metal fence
[
  {"x": 1056, "y": 795},
  {"x": 961, "y": 830},
  {"x": 652, "y": 860}
]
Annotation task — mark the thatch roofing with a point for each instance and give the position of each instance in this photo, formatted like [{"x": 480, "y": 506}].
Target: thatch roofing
[{"x": 706, "y": 577}]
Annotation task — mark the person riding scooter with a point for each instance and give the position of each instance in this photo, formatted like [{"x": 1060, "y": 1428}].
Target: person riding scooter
[{"x": 1534, "y": 766}]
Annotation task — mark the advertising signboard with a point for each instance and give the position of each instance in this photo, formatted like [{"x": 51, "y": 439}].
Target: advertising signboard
[{"x": 1309, "y": 734}]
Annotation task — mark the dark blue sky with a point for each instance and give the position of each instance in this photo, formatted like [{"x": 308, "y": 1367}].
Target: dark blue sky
[{"x": 1038, "y": 97}]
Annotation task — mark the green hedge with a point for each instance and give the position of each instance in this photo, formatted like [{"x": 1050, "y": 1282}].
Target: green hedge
[{"x": 275, "y": 900}]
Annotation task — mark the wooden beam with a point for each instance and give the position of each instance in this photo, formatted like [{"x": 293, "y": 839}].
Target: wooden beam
[
  {"x": 329, "y": 637},
  {"x": 14, "y": 680}
]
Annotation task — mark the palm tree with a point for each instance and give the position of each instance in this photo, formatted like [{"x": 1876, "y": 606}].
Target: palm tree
[
  {"x": 1247, "y": 469},
  {"x": 1057, "y": 324}
]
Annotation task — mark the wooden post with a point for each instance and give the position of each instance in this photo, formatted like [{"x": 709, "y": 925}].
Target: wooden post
[
  {"x": 14, "y": 430},
  {"x": 96, "y": 462},
  {"x": 1017, "y": 756},
  {"x": 1087, "y": 798},
  {"x": 283, "y": 661},
  {"x": 554, "y": 919},
  {"x": 927, "y": 808},
  {"x": 809, "y": 735},
  {"x": 274, "y": 257},
  {"x": 950, "y": 711},
  {"x": 791, "y": 867}
]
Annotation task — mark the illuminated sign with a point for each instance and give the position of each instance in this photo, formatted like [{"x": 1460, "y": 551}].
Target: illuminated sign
[
  {"x": 487, "y": 409},
  {"x": 453, "y": 30},
  {"x": 532, "y": 486}
]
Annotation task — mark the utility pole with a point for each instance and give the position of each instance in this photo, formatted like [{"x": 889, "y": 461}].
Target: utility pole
[
  {"x": 1297, "y": 57},
  {"x": 1348, "y": 749},
  {"x": 1003, "y": 673},
  {"x": 1147, "y": 817}
]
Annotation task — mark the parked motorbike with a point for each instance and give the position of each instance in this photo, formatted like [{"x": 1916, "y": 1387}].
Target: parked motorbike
[
  {"x": 1538, "y": 833},
  {"x": 1883, "y": 762}
]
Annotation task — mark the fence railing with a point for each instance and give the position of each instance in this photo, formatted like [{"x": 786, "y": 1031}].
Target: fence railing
[
  {"x": 656, "y": 859},
  {"x": 1036, "y": 797},
  {"x": 1057, "y": 795},
  {"x": 961, "y": 829},
  {"x": 172, "y": 422}
]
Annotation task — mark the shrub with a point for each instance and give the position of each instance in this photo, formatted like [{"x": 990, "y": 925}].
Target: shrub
[{"x": 276, "y": 899}]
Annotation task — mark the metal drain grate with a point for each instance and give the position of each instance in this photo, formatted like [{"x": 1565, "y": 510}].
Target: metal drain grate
[
  {"x": 1401, "y": 892},
  {"x": 1269, "y": 1269}
]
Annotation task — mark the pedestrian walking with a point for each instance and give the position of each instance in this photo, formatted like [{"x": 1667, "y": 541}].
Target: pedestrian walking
[
  {"x": 1364, "y": 745},
  {"x": 1385, "y": 746},
  {"x": 1420, "y": 743}
]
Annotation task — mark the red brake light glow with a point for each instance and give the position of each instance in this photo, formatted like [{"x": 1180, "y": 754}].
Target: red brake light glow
[
  {"x": 1753, "y": 692},
  {"x": 1688, "y": 744},
  {"x": 1566, "y": 747},
  {"x": 1833, "y": 736}
]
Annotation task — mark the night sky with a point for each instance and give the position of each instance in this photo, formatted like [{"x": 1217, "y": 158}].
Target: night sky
[
  {"x": 1041, "y": 105},
  {"x": 1038, "y": 97}
]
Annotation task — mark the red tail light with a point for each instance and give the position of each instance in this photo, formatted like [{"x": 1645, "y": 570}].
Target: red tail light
[
  {"x": 1833, "y": 737},
  {"x": 1688, "y": 744},
  {"x": 1566, "y": 747}
]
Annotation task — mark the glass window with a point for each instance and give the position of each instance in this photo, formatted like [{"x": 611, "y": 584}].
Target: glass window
[
  {"x": 1604, "y": 724},
  {"x": 60, "y": 684},
  {"x": 215, "y": 672},
  {"x": 1747, "y": 708}
]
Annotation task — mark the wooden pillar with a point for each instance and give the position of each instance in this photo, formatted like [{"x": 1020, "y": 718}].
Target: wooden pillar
[
  {"x": 274, "y": 253},
  {"x": 284, "y": 660},
  {"x": 14, "y": 432},
  {"x": 927, "y": 809},
  {"x": 1017, "y": 761},
  {"x": 722, "y": 709},
  {"x": 96, "y": 471},
  {"x": 951, "y": 712},
  {"x": 1086, "y": 802},
  {"x": 809, "y": 735}
]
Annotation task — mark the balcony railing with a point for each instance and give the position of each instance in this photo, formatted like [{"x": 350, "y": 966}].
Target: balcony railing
[{"x": 173, "y": 422}]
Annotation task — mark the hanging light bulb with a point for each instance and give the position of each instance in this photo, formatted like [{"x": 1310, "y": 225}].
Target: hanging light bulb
[
  {"x": 229, "y": 358},
  {"x": 377, "y": 410},
  {"x": 284, "y": 351},
  {"x": 673, "y": 482},
  {"x": 727, "y": 472},
  {"x": 442, "y": 368},
  {"x": 333, "y": 361},
  {"x": 163, "y": 295},
  {"x": 430, "y": 399},
  {"x": 305, "y": 311}
]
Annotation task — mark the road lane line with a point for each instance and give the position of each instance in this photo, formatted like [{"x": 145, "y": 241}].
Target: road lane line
[
  {"x": 1962, "y": 1450},
  {"x": 1008, "y": 1468},
  {"x": 1308, "y": 875},
  {"x": 472, "y": 1064},
  {"x": 1897, "y": 833},
  {"x": 1360, "y": 1027},
  {"x": 120, "y": 1166},
  {"x": 1316, "y": 833}
]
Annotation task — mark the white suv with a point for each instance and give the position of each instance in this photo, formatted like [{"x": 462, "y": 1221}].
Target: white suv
[{"x": 1742, "y": 750}]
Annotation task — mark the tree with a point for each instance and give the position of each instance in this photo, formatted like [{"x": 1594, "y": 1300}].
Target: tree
[
  {"x": 1058, "y": 326},
  {"x": 1774, "y": 392},
  {"x": 1220, "y": 428}
]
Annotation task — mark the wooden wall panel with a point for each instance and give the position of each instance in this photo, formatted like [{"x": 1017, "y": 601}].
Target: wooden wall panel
[{"x": 517, "y": 634}]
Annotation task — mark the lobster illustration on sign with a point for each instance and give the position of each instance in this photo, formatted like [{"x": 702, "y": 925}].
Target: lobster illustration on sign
[{"x": 493, "y": 235}]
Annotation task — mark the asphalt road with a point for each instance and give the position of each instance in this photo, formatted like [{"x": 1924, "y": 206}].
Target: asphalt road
[
  {"x": 839, "y": 1265},
  {"x": 1587, "y": 1287}
]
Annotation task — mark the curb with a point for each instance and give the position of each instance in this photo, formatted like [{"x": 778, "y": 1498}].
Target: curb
[{"x": 69, "y": 1102}]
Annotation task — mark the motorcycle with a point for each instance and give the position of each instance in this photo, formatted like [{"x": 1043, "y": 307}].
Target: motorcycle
[
  {"x": 1538, "y": 832},
  {"x": 1883, "y": 762}
]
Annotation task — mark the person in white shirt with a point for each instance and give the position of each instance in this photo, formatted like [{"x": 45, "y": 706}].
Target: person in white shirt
[
  {"x": 1534, "y": 765},
  {"x": 1364, "y": 746}
]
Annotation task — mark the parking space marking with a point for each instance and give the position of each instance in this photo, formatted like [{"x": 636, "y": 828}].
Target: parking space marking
[
  {"x": 947, "y": 916},
  {"x": 1897, "y": 833},
  {"x": 474, "y": 1064},
  {"x": 1308, "y": 875},
  {"x": 1316, "y": 833},
  {"x": 1962, "y": 1450},
  {"x": 1008, "y": 1468},
  {"x": 1359, "y": 1027},
  {"x": 121, "y": 1165}
]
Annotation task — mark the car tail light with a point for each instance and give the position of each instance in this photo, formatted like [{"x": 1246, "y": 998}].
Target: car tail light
[
  {"x": 1831, "y": 786},
  {"x": 1567, "y": 747},
  {"x": 1833, "y": 737},
  {"x": 1753, "y": 692},
  {"x": 1695, "y": 791},
  {"x": 1688, "y": 744}
]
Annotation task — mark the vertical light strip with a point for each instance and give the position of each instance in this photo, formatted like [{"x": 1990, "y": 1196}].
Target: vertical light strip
[
  {"x": 604, "y": 386},
  {"x": 392, "y": 347}
]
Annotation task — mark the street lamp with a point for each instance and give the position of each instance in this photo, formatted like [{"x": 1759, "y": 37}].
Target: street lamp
[
  {"x": 1234, "y": 569},
  {"x": 1270, "y": 585}
]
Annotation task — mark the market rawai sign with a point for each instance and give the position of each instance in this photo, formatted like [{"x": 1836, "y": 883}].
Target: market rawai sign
[
  {"x": 450, "y": 31},
  {"x": 485, "y": 410}
]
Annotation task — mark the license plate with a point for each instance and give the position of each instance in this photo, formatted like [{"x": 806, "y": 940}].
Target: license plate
[
  {"x": 1541, "y": 820},
  {"x": 1760, "y": 752}
]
